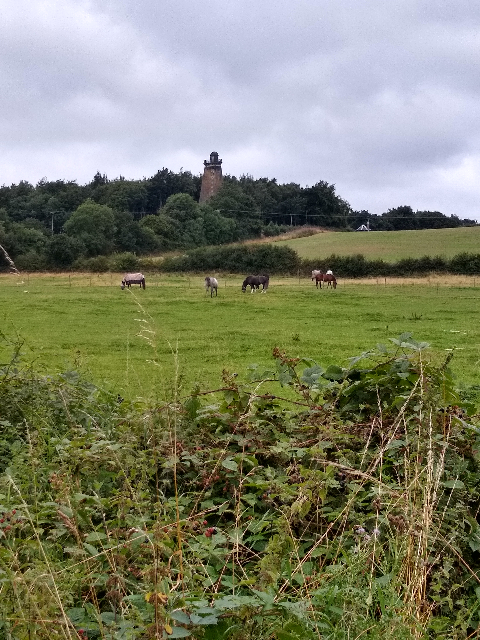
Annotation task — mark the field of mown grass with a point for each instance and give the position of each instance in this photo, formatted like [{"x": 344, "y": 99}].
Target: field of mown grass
[
  {"x": 135, "y": 342},
  {"x": 389, "y": 245}
]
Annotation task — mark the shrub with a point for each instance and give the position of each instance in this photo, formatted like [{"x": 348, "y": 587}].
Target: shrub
[
  {"x": 98, "y": 264},
  {"x": 124, "y": 262},
  {"x": 348, "y": 510},
  {"x": 262, "y": 258},
  {"x": 31, "y": 261}
]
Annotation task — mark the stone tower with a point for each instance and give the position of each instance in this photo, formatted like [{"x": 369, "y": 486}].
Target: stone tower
[{"x": 212, "y": 177}]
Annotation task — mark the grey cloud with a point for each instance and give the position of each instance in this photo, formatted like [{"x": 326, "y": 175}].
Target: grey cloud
[{"x": 377, "y": 98}]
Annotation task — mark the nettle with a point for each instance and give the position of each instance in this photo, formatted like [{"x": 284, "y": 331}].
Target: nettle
[{"x": 305, "y": 502}]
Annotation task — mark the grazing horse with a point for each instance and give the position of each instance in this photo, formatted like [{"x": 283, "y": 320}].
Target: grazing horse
[
  {"x": 255, "y": 282},
  {"x": 316, "y": 272},
  {"x": 211, "y": 283},
  {"x": 330, "y": 279},
  {"x": 133, "y": 278}
]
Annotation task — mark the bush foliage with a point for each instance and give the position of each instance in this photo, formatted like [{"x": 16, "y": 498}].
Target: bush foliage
[{"x": 342, "y": 504}]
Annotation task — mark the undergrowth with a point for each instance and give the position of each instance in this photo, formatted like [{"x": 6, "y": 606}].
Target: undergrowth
[{"x": 348, "y": 510}]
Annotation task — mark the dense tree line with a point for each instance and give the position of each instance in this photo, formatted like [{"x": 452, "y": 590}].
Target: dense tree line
[{"x": 56, "y": 224}]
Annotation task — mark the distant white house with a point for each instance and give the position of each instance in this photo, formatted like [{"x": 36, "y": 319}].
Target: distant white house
[{"x": 363, "y": 227}]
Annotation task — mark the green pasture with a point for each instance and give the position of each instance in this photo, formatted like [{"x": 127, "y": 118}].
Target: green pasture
[
  {"x": 136, "y": 343},
  {"x": 389, "y": 245}
]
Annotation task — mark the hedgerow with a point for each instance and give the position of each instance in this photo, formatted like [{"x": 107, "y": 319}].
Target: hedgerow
[{"x": 304, "y": 502}]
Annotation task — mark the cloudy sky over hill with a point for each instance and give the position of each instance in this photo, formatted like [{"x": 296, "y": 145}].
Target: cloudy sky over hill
[{"x": 379, "y": 98}]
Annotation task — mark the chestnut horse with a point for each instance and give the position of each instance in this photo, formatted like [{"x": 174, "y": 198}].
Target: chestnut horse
[{"x": 327, "y": 278}]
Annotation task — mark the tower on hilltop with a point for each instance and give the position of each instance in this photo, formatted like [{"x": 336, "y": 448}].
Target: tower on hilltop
[{"x": 212, "y": 177}]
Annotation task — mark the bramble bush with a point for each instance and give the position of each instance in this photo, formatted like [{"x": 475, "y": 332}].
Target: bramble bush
[{"x": 304, "y": 502}]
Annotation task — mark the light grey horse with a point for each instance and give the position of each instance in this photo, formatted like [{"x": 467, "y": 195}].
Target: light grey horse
[
  {"x": 133, "y": 278},
  {"x": 211, "y": 283}
]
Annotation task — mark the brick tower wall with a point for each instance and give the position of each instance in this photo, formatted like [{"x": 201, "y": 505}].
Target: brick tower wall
[{"x": 212, "y": 177}]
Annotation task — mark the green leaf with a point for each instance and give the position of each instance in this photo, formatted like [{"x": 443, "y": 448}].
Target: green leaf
[
  {"x": 230, "y": 464},
  {"x": 453, "y": 484},
  {"x": 203, "y": 620},
  {"x": 95, "y": 536},
  {"x": 179, "y": 632},
  {"x": 334, "y": 373},
  {"x": 76, "y": 615},
  {"x": 91, "y": 550},
  {"x": 311, "y": 375},
  {"x": 180, "y": 616},
  {"x": 108, "y": 617}
]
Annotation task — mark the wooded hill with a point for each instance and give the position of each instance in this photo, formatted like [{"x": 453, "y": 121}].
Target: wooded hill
[{"x": 55, "y": 224}]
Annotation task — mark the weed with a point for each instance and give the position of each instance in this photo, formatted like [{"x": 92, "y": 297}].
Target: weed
[{"x": 343, "y": 507}]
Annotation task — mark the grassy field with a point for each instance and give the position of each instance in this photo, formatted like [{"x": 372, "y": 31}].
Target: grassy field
[
  {"x": 134, "y": 341},
  {"x": 389, "y": 245}
]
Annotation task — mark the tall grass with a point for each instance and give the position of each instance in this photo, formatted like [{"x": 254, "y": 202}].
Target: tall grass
[{"x": 343, "y": 509}]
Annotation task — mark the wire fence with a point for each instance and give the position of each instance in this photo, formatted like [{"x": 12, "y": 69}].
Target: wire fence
[{"x": 157, "y": 280}]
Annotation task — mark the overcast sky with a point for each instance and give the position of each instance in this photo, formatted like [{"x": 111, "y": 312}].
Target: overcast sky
[{"x": 380, "y": 98}]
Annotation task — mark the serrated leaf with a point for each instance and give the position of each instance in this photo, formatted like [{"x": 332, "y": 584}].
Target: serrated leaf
[
  {"x": 334, "y": 373},
  {"x": 108, "y": 617},
  {"x": 180, "y": 616},
  {"x": 311, "y": 375},
  {"x": 203, "y": 620},
  {"x": 230, "y": 464},
  {"x": 91, "y": 549},
  {"x": 76, "y": 614},
  {"x": 453, "y": 484},
  {"x": 95, "y": 536}
]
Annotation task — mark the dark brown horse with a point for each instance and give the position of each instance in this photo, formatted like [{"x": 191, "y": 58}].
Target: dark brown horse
[
  {"x": 254, "y": 282},
  {"x": 318, "y": 276},
  {"x": 330, "y": 279},
  {"x": 327, "y": 278}
]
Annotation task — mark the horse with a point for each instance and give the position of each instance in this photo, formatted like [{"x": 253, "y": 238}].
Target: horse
[
  {"x": 330, "y": 279},
  {"x": 255, "y": 282},
  {"x": 211, "y": 283},
  {"x": 133, "y": 278},
  {"x": 319, "y": 277}
]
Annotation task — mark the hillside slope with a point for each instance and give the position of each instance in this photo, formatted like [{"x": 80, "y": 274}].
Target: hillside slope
[{"x": 389, "y": 245}]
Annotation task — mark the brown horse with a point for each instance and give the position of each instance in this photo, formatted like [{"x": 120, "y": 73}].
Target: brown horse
[
  {"x": 319, "y": 277},
  {"x": 327, "y": 278},
  {"x": 330, "y": 279}
]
